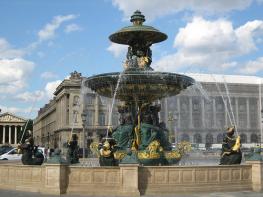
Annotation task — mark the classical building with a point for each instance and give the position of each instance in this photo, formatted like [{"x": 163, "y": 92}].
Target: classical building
[
  {"x": 199, "y": 114},
  {"x": 202, "y": 113},
  {"x": 64, "y": 114},
  {"x": 10, "y": 128}
]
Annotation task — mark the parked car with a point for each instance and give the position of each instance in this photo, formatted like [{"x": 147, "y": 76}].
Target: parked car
[
  {"x": 14, "y": 155},
  {"x": 11, "y": 155},
  {"x": 5, "y": 149}
]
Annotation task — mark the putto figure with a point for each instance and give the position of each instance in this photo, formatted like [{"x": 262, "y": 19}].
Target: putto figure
[{"x": 231, "y": 153}]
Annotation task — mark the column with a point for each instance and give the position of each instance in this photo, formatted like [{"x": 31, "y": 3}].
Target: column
[
  {"x": 248, "y": 114},
  {"x": 15, "y": 134},
  {"x": 190, "y": 112},
  {"x": 9, "y": 137},
  {"x": 97, "y": 110},
  {"x": 236, "y": 108},
  {"x": 214, "y": 112},
  {"x": 179, "y": 113},
  {"x": 4, "y": 134},
  {"x": 203, "y": 112},
  {"x": 226, "y": 116}
]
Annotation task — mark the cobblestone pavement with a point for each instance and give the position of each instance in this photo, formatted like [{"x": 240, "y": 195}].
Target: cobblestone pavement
[{"x": 6, "y": 193}]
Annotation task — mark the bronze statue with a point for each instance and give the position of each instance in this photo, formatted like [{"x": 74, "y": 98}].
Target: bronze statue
[
  {"x": 30, "y": 153},
  {"x": 231, "y": 153},
  {"x": 73, "y": 148}
]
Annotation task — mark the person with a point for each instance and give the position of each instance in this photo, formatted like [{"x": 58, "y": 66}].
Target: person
[{"x": 231, "y": 153}]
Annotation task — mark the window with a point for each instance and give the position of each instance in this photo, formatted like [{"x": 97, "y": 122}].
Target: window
[
  {"x": 243, "y": 138},
  {"x": 254, "y": 138},
  {"x": 219, "y": 138},
  {"x": 101, "y": 119},
  {"x": 185, "y": 137},
  {"x": 197, "y": 138},
  {"x": 89, "y": 118},
  {"x": 209, "y": 139}
]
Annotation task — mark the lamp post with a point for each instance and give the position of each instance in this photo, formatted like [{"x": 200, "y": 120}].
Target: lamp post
[{"x": 83, "y": 117}]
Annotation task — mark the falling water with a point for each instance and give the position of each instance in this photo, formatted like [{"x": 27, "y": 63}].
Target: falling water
[
  {"x": 199, "y": 86},
  {"x": 229, "y": 100},
  {"x": 112, "y": 104},
  {"x": 220, "y": 92}
]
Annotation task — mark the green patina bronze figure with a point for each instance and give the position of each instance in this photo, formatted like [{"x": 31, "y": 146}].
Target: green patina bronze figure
[
  {"x": 73, "y": 149},
  {"x": 231, "y": 153},
  {"x": 30, "y": 153}
]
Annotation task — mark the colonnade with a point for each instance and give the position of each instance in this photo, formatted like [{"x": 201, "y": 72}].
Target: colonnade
[{"x": 9, "y": 134}]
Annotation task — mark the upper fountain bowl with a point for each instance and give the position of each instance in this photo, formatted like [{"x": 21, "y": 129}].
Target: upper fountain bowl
[
  {"x": 137, "y": 32},
  {"x": 139, "y": 86}
]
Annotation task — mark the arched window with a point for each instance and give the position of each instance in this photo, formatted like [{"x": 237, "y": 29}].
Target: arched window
[
  {"x": 209, "y": 139},
  {"x": 254, "y": 138},
  {"x": 197, "y": 138},
  {"x": 219, "y": 138},
  {"x": 243, "y": 138},
  {"x": 185, "y": 137}
]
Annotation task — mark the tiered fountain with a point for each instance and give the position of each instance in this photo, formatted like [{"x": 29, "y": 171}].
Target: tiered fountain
[{"x": 140, "y": 137}]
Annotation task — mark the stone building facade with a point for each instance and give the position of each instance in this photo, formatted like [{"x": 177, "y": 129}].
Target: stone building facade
[
  {"x": 10, "y": 128},
  {"x": 198, "y": 114},
  {"x": 202, "y": 113},
  {"x": 65, "y": 113}
]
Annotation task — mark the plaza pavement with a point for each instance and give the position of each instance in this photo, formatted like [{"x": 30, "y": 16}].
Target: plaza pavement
[{"x": 6, "y": 193}]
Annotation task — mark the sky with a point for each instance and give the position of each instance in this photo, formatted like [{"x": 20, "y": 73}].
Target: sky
[{"x": 42, "y": 42}]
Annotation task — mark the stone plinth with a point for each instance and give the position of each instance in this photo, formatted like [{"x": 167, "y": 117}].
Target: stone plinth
[
  {"x": 257, "y": 175},
  {"x": 129, "y": 179},
  {"x": 56, "y": 179}
]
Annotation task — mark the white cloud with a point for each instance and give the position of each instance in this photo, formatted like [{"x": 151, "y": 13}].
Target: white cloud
[
  {"x": 14, "y": 73},
  {"x": 31, "y": 96},
  {"x": 252, "y": 67},
  {"x": 211, "y": 45},
  {"x": 17, "y": 110},
  {"x": 117, "y": 49},
  {"x": 51, "y": 87},
  {"x": 48, "y": 31},
  {"x": 156, "y": 8},
  {"x": 48, "y": 75},
  {"x": 72, "y": 27},
  {"x": 6, "y": 50}
]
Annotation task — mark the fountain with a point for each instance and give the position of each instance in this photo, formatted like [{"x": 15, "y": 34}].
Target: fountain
[{"x": 140, "y": 137}]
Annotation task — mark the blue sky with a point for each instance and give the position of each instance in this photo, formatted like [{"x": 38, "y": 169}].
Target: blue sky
[{"x": 41, "y": 42}]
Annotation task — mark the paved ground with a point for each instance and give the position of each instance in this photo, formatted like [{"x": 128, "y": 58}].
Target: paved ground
[{"x": 6, "y": 193}]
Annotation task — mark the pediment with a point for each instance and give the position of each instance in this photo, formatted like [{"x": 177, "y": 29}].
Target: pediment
[{"x": 8, "y": 117}]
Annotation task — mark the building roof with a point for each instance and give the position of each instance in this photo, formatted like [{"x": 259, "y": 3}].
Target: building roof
[
  {"x": 234, "y": 79},
  {"x": 9, "y": 117}
]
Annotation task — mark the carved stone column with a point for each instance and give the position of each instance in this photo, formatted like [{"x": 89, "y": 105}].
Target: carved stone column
[
  {"x": 190, "y": 112},
  {"x": 15, "y": 134},
  {"x": 248, "y": 115},
  {"x": 179, "y": 113},
  {"x": 9, "y": 134},
  {"x": 236, "y": 109},
  {"x": 97, "y": 110},
  {"x": 203, "y": 112},
  {"x": 214, "y": 113},
  {"x": 3, "y": 134}
]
